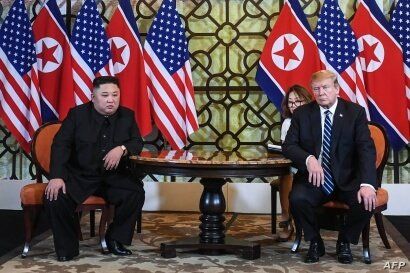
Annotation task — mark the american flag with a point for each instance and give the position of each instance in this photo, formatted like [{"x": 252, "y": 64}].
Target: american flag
[
  {"x": 170, "y": 86},
  {"x": 90, "y": 50},
  {"x": 19, "y": 91},
  {"x": 400, "y": 23},
  {"x": 339, "y": 51}
]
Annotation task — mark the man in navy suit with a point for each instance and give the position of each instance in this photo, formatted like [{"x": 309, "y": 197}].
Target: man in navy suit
[
  {"x": 89, "y": 156},
  {"x": 329, "y": 142}
]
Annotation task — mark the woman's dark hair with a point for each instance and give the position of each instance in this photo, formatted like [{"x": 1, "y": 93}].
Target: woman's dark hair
[{"x": 301, "y": 92}]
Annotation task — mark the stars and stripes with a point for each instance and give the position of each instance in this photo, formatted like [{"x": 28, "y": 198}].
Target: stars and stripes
[
  {"x": 90, "y": 50},
  {"x": 400, "y": 24},
  {"x": 19, "y": 87},
  {"x": 170, "y": 87},
  {"x": 339, "y": 51}
]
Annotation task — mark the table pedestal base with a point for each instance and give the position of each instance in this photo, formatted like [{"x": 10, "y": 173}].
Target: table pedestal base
[
  {"x": 248, "y": 250},
  {"x": 212, "y": 239}
]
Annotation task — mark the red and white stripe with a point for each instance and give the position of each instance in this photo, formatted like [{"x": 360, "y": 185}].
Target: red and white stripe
[
  {"x": 20, "y": 101},
  {"x": 361, "y": 93},
  {"x": 351, "y": 83},
  {"x": 83, "y": 77},
  {"x": 172, "y": 99}
]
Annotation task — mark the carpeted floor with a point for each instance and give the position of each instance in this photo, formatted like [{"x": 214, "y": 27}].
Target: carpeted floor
[{"x": 162, "y": 227}]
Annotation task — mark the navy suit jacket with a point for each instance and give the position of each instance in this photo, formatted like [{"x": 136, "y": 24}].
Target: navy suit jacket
[{"x": 353, "y": 154}]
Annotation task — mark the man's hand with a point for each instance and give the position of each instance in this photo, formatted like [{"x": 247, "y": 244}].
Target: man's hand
[
  {"x": 368, "y": 196},
  {"x": 316, "y": 176},
  {"x": 112, "y": 159},
  {"x": 53, "y": 186}
]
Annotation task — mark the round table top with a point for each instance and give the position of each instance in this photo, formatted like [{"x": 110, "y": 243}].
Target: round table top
[
  {"x": 200, "y": 163},
  {"x": 244, "y": 157}
]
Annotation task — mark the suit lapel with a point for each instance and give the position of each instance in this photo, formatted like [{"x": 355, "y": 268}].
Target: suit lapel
[
  {"x": 316, "y": 128},
  {"x": 337, "y": 125}
]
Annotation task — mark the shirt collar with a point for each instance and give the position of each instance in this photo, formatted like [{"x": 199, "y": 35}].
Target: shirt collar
[
  {"x": 332, "y": 109},
  {"x": 100, "y": 118}
]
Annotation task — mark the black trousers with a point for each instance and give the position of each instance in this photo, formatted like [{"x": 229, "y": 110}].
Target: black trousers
[
  {"x": 304, "y": 198},
  {"x": 61, "y": 213}
]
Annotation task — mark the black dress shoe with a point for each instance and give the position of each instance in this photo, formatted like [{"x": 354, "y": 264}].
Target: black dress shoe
[
  {"x": 344, "y": 254},
  {"x": 316, "y": 250},
  {"x": 116, "y": 248}
]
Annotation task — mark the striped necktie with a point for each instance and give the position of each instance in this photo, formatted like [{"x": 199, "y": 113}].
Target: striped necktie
[{"x": 329, "y": 185}]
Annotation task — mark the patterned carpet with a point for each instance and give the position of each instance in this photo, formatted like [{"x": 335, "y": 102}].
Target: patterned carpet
[{"x": 163, "y": 227}]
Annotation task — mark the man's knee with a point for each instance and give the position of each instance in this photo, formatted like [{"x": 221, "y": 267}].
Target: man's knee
[
  {"x": 130, "y": 197},
  {"x": 359, "y": 208},
  {"x": 298, "y": 199},
  {"x": 54, "y": 204},
  {"x": 138, "y": 198}
]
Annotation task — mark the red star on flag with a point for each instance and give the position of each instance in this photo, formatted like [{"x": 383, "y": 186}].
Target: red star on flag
[
  {"x": 117, "y": 52},
  {"x": 288, "y": 52},
  {"x": 369, "y": 49},
  {"x": 47, "y": 54}
]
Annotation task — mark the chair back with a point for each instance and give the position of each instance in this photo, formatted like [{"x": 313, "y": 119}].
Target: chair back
[
  {"x": 41, "y": 146},
  {"x": 381, "y": 143}
]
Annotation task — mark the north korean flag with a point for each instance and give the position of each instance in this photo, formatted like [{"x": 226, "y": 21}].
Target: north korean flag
[
  {"x": 128, "y": 64},
  {"x": 382, "y": 64},
  {"x": 290, "y": 55},
  {"x": 54, "y": 63}
]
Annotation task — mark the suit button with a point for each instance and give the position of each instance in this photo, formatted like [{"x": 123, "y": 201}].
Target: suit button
[{"x": 104, "y": 136}]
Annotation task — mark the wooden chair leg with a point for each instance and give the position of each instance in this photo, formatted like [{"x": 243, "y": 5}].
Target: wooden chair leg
[
  {"x": 92, "y": 223},
  {"x": 298, "y": 238},
  {"x": 365, "y": 240},
  {"x": 31, "y": 217},
  {"x": 28, "y": 229},
  {"x": 380, "y": 227},
  {"x": 273, "y": 192},
  {"x": 101, "y": 230}
]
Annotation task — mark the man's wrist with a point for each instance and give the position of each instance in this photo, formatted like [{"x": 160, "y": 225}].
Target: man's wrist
[
  {"x": 124, "y": 150},
  {"x": 367, "y": 185},
  {"x": 307, "y": 160}
]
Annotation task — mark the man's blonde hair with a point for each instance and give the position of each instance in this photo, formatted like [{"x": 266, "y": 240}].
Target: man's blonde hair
[{"x": 323, "y": 75}]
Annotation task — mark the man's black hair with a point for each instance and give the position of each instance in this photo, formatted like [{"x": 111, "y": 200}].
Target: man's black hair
[{"x": 97, "y": 82}]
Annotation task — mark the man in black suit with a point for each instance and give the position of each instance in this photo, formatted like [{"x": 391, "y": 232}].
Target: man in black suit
[
  {"x": 329, "y": 142},
  {"x": 90, "y": 157}
]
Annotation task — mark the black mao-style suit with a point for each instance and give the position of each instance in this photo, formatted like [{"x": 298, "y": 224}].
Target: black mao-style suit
[
  {"x": 352, "y": 163},
  {"x": 84, "y": 138}
]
